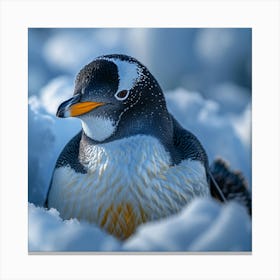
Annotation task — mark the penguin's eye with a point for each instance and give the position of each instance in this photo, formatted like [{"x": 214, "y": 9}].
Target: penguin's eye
[{"x": 122, "y": 95}]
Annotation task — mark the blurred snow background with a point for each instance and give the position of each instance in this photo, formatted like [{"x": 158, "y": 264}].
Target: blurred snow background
[{"x": 206, "y": 77}]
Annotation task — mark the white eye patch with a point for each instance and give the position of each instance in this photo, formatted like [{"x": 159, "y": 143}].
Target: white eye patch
[
  {"x": 127, "y": 71},
  {"x": 122, "y": 95}
]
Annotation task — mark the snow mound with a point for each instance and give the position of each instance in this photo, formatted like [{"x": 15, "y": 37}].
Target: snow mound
[
  {"x": 204, "y": 225},
  {"x": 48, "y": 232},
  {"x": 47, "y": 137}
]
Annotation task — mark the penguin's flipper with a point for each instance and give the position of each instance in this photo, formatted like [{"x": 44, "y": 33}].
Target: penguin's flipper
[
  {"x": 68, "y": 157},
  {"x": 232, "y": 184},
  {"x": 187, "y": 145}
]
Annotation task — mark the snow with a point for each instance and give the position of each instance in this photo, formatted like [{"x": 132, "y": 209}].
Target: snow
[
  {"x": 205, "y": 225},
  {"x": 195, "y": 58},
  {"x": 54, "y": 92},
  {"x": 47, "y": 136},
  {"x": 208, "y": 95},
  {"x": 48, "y": 232}
]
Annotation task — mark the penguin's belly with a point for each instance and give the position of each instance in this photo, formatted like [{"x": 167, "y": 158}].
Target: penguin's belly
[{"x": 128, "y": 182}]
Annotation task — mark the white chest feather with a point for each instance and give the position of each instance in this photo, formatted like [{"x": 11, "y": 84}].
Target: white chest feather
[
  {"x": 98, "y": 128},
  {"x": 128, "y": 182}
]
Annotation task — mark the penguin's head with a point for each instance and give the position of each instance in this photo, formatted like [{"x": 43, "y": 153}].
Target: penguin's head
[{"x": 116, "y": 96}]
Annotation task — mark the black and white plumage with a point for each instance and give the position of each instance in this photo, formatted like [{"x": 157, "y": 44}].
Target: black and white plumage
[{"x": 132, "y": 162}]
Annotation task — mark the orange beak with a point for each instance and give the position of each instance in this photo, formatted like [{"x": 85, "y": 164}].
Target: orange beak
[
  {"x": 73, "y": 107},
  {"x": 83, "y": 107}
]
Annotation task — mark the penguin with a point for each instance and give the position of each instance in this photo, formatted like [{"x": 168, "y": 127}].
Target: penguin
[{"x": 132, "y": 162}]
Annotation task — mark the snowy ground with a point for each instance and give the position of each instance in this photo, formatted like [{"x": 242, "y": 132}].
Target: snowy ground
[
  {"x": 221, "y": 119},
  {"x": 203, "y": 226}
]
